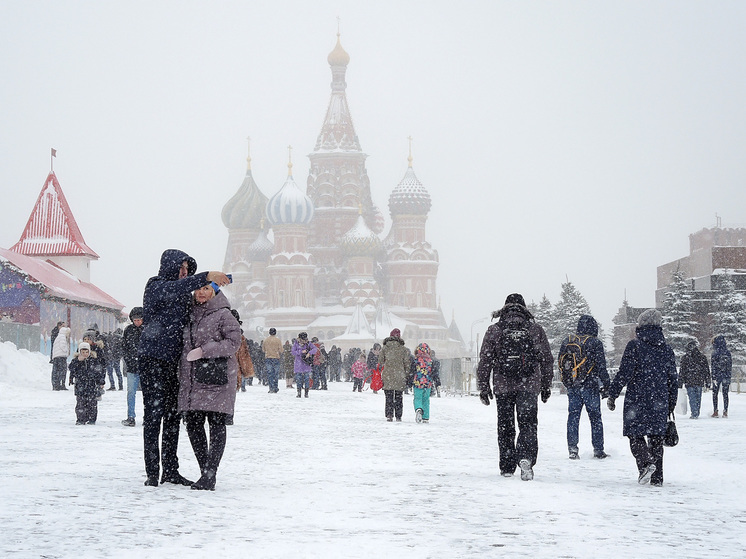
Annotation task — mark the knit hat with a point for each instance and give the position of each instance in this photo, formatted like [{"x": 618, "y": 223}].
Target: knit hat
[
  {"x": 395, "y": 333},
  {"x": 303, "y": 336},
  {"x": 136, "y": 312},
  {"x": 515, "y": 298},
  {"x": 272, "y": 331},
  {"x": 84, "y": 345},
  {"x": 90, "y": 334},
  {"x": 650, "y": 317}
]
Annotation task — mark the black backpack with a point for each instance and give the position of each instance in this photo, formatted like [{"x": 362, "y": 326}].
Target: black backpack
[
  {"x": 573, "y": 362},
  {"x": 516, "y": 356}
]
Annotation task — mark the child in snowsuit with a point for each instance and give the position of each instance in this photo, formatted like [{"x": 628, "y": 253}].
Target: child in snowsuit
[
  {"x": 359, "y": 369},
  {"x": 88, "y": 375},
  {"x": 422, "y": 381}
]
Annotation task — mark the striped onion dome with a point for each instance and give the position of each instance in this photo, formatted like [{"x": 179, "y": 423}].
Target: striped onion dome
[
  {"x": 290, "y": 205},
  {"x": 379, "y": 222},
  {"x": 409, "y": 197},
  {"x": 360, "y": 240}
]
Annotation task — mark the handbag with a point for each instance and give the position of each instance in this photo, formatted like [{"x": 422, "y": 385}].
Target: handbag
[
  {"x": 671, "y": 438},
  {"x": 211, "y": 371}
]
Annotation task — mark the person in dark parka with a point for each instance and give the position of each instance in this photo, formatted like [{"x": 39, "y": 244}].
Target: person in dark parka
[
  {"x": 166, "y": 305},
  {"x": 130, "y": 347},
  {"x": 694, "y": 372},
  {"x": 587, "y": 388},
  {"x": 648, "y": 370},
  {"x": 722, "y": 366},
  {"x": 87, "y": 374},
  {"x": 516, "y": 398}
]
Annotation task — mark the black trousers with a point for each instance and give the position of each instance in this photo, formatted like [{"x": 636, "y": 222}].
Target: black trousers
[
  {"x": 648, "y": 451},
  {"x": 59, "y": 373},
  {"x": 208, "y": 455},
  {"x": 86, "y": 408},
  {"x": 525, "y": 407},
  {"x": 394, "y": 403},
  {"x": 160, "y": 394}
]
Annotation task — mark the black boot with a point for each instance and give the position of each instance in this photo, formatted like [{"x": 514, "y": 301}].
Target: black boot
[
  {"x": 299, "y": 389},
  {"x": 205, "y": 483}
]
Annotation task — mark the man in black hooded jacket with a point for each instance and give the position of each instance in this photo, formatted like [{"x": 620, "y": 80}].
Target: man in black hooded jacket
[{"x": 166, "y": 305}]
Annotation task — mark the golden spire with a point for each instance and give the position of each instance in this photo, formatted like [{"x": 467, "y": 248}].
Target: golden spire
[
  {"x": 248, "y": 158},
  {"x": 360, "y": 209},
  {"x": 410, "y": 151},
  {"x": 290, "y": 161}
]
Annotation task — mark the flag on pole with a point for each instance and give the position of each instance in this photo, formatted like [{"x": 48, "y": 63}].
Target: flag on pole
[{"x": 54, "y": 152}]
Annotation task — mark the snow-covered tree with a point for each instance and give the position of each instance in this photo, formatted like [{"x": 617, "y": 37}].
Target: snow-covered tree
[
  {"x": 543, "y": 313},
  {"x": 565, "y": 315},
  {"x": 679, "y": 325},
  {"x": 730, "y": 319}
]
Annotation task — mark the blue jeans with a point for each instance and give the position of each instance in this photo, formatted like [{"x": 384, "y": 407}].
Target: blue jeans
[
  {"x": 133, "y": 381},
  {"x": 272, "y": 370},
  {"x": 577, "y": 397},
  {"x": 113, "y": 366},
  {"x": 302, "y": 380},
  {"x": 695, "y": 399}
]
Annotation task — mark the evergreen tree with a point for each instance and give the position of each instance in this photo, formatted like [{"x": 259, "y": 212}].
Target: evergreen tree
[
  {"x": 565, "y": 315},
  {"x": 730, "y": 319},
  {"x": 543, "y": 313},
  {"x": 679, "y": 325}
]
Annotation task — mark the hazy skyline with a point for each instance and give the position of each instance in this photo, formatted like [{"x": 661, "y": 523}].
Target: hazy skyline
[{"x": 576, "y": 140}]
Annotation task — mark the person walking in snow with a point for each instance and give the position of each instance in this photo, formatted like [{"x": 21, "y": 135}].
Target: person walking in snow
[
  {"x": 374, "y": 369},
  {"x": 211, "y": 340},
  {"x": 87, "y": 375},
  {"x": 272, "y": 348},
  {"x": 288, "y": 362},
  {"x": 722, "y": 367},
  {"x": 516, "y": 339},
  {"x": 587, "y": 381},
  {"x": 694, "y": 373},
  {"x": 130, "y": 346},
  {"x": 114, "y": 361},
  {"x": 422, "y": 381},
  {"x": 648, "y": 370},
  {"x": 245, "y": 365},
  {"x": 358, "y": 373},
  {"x": 60, "y": 353},
  {"x": 303, "y": 351},
  {"x": 167, "y": 303},
  {"x": 394, "y": 359}
]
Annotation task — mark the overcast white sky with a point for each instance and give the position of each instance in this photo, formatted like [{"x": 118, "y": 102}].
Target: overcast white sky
[{"x": 557, "y": 139}]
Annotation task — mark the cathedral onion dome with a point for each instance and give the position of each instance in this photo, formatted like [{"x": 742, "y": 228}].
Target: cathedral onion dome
[
  {"x": 360, "y": 240},
  {"x": 379, "y": 222},
  {"x": 246, "y": 209},
  {"x": 409, "y": 197},
  {"x": 338, "y": 57},
  {"x": 261, "y": 249},
  {"x": 290, "y": 205}
]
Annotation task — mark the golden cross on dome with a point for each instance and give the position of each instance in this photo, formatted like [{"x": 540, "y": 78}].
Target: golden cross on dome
[
  {"x": 290, "y": 161},
  {"x": 410, "y": 150},
  {"x": 248, "y": 158}
]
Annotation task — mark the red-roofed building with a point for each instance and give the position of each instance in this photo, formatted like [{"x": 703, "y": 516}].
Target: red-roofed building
[{"x": 45, "y": 278}]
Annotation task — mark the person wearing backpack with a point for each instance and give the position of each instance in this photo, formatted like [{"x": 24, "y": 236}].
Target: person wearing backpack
[
  {"x": 517, "y": 358},
  {"x": 582, "y": 363}
]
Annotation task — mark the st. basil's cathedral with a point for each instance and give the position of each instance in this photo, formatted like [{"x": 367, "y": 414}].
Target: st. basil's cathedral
[{"x": 325, "y": 268}]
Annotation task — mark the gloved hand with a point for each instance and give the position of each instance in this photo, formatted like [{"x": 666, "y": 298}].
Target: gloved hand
[
  {"x": 604, "y": 392},
  {"x": 545, "y": 394},
  {"x": 195, "y": 354},
  {"x": 611, "y": 404},
  {"x": 486, "y": 396}
]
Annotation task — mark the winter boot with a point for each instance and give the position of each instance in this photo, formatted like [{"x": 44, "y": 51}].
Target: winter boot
[
  {"x": 418, "y": 415},
  {"x": 129, "y": 422},
  {"x": 600, "y": 454},
  {"x": 176, "y": 478},
  {"x": 573, "y": 450},
  {"x": 715, "y": 414},
  {"x": 299, "y": 391},
  {"x": 306, "y": 393},
  {"x": 527, "y": 472},
  {"x": 645, "y": 474},
  {"x": 205, "y": 483},
  {"x": 725, "y": 414},
  {"x": 152, "y": 481}
]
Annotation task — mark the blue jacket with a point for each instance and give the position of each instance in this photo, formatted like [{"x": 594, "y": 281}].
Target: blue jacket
[
  {"x": 593, "y": 350},
  {"x": 166, "y": 305},
  {"x": 648, "y": 370},
  {"x": 721, "y": 362}
]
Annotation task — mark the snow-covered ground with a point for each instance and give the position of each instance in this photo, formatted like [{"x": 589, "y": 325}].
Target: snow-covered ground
[{"x": 327, "y": 476}]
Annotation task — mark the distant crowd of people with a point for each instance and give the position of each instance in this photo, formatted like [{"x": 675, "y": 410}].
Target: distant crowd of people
[{"x": 186, "y": 352}]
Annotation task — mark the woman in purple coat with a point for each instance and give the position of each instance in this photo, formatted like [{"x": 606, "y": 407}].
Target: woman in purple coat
[
  {"x": 302, "y": 350},
  {"x": 212, "y": 332}
]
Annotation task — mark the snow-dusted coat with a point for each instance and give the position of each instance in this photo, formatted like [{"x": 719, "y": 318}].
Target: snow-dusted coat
[
  {"x": 301, "y": 366},
  {"x": 694, "y": 370},
  {"x": 87, "y": 375},
  {"x": 166, "y": 305},
  {"x": 61, "y": 347},
  {"x": 213, "y": 328},
  {"x": 394, "y": 358},
  {"x": 721, "y": 362},
  {"x": 593, "y": 349},
  {"x": 648, "y": 370},
  {"x": 540, "y": 379}
]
